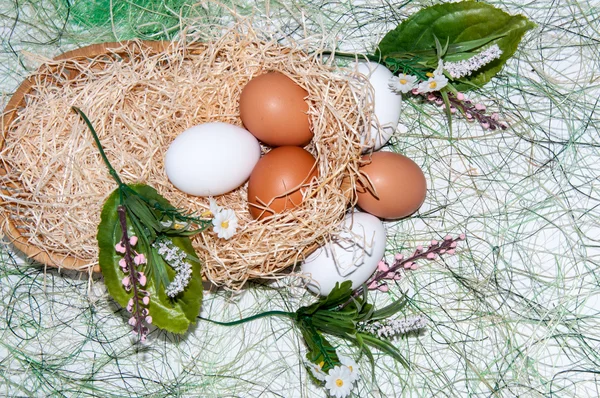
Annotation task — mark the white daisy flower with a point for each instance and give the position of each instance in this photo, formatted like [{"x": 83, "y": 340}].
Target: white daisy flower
[
  {"x": 352, "y": 366},
  {"x": 166, "y": 224},
  {"x": 213, "y": 206},
  {"x": 440, "y": 68},
  {"x": 434, "y": 83},
  {"x": 317, "y": 370},
  {"x": 338, "y": 381},
  {"x": 225, "y": 223},
  {"x": 403, "y": 83}
]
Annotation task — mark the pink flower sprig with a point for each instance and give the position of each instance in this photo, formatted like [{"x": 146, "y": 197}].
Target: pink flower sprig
[
  {"x": 386, "y": 271},
  {"x": 134, "y": 280},
  {"x": 471, "y": 111}
]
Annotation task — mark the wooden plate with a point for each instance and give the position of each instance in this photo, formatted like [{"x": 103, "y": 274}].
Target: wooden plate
[{"x": 12, "y": 230}]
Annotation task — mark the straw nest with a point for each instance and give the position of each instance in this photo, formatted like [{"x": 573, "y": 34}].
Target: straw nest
[{"x": 140, "y": 96}]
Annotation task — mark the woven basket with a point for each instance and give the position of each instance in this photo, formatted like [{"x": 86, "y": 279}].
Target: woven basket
[{"x": 228, "y": 266}]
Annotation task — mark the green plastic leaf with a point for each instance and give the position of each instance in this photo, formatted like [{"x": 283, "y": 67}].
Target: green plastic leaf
[
  {"x": 148, "y": 218},
  {"x": 358, "y": 340},
  {"x": 333, "y": 323},
  {"x": 173, "y": 315},
  {"x": 384, "y": 346},
  {"x": 319, "y": 349},
  {"x": 468, "y": 26},
  {"x": 339, "y": 295},
  {"x": 389, "y": 310}
]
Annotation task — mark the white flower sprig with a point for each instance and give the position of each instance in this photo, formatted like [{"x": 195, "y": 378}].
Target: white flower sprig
[
  {"x": 464, "y": 68},
  {"x": 395, "y": 327},
  {"x": 176, "y": 258}
]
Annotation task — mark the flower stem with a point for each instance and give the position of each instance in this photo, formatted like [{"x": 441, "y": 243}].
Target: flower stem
[
  {"x": 253, "y": 317},
  {"x": 435, "y": 249},
  {"x": 111, "y": 170},
  {"x": 137, "y": 306},
  {"x": 352, "y": 55}
]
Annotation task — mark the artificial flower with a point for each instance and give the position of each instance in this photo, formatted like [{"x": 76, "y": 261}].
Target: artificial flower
[
  {"x": 440, "y": 68},
  {"x": 140, "y": 259},
  {"x": 434, "y": 83},
  {"x": 167, "y": 224},
  {"x": 214, "y": 207},
  {"x": 317, "y": 371},
  {"x": 352, "y": 366},
  {"x": 403, "y": 83},
  {"x": 338, "y": 381},
  {"x": 387, "y": 328},
  {"x": 465, "y": 67},
  {"x": 120, "y": 248},
  {"x": 225, "y": 223},
  {"x": 176, "y": 258}
]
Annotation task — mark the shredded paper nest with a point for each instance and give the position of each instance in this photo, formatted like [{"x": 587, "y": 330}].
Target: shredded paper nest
[{"x": 139, "y": 99}]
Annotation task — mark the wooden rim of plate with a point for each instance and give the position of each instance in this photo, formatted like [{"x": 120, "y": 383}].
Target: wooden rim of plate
[{"x": 17, "y": 102}]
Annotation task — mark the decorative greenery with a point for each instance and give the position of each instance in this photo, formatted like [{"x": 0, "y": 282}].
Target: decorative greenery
[
  {"x": 339, "y": 314},
  {"x": 528, "y": 268},
  {"x": 173, "y": 315},
  {"x": 453, "y": 32},
  {"x": 149, "y": 217},
  {"x": 148, "y": 19}
]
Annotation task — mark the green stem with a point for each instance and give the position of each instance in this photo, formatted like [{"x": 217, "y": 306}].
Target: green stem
[
  {"x": 111, "y": 170},
  {"x": 370, "y": 57},
  {"x": 253, "y": 317}
]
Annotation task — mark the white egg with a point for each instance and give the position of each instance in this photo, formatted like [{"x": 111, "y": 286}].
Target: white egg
[
  {"x": 353, "y": 255},
  {"x": 211, "y": 159},
  {"x": 387, "y": 105}
]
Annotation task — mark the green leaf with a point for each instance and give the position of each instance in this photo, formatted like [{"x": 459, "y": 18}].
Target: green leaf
[
  {"x": 466, "y": 26},
  {"x": 384, "y": 346},
  {"x": 173, "y": 315},
  {"x": 338, "y": 296},
  {"x": 319, "y": 349},
  {"x": 358, "y": 340},
  {"x": 389, "y": 310},
  {"x": 141, "y": 211},
  {"x": 334, "y": 324}
]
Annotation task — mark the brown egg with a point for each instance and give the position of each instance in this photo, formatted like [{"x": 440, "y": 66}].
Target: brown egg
[
  {"x": 399, "y": 183},
  {"x": 277, "y": 179},
  {"x": 273, "y": 109}
]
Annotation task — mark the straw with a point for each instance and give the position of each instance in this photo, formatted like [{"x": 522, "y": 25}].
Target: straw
[{"x": 140, "y": 96}]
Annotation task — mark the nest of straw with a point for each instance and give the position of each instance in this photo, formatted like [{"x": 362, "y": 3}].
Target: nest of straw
[{"x": 139, "y": 98}]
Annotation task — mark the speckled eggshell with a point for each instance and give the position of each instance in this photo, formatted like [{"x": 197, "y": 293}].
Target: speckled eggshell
[
  {"x": 273, "y": 108},
  {"x": 281, "y": 171},
  {"x": 353, "y": 255},
  {"x": 399, "y": 183}
]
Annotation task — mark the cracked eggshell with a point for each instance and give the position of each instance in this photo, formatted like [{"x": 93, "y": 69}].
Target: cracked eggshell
[
  {"x": 387, "y": 106},
  {"x": 353, "y": 255},
  {"x": 211, "y": 159}
]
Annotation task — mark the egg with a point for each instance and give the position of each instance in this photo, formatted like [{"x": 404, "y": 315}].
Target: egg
[
  {"x": 353, "y": 255},
  {"x": 387, "y": 106},
  {"x": 399, "y": 184},
  {"x": 273, "y": 108},
  {"x": 277, "y": 179},
  {"x": 211, "y": 159}
]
